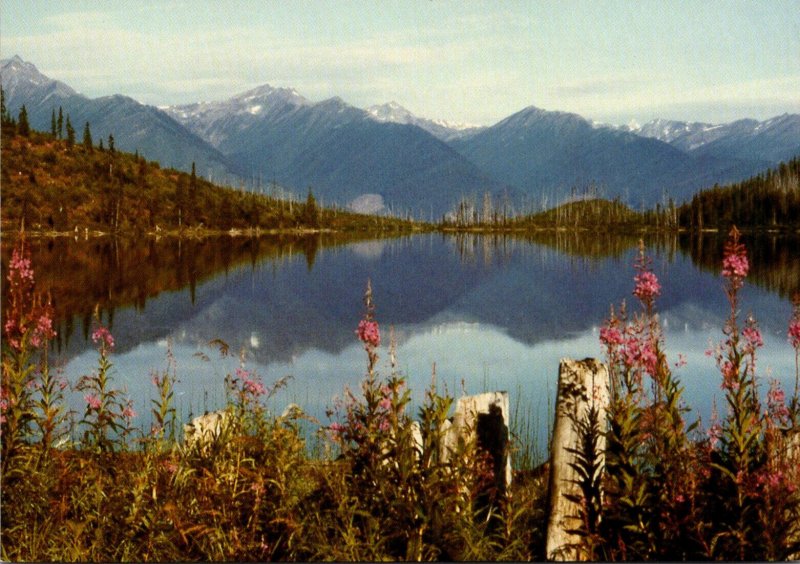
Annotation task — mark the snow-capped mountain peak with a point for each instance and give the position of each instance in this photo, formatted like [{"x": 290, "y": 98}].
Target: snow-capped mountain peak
[
  {"x": 393, "y": 112},
  {"x": 19, "y": 77},
  {"x": 213, "y": 120}
]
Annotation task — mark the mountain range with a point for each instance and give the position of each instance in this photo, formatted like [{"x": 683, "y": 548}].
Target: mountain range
[
  {"x": 135, "y": 126},
  {"x": 386, "y": 158}
]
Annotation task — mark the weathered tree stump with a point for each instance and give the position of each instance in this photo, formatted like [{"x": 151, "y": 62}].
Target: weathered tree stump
[
  {"x": 482, "y": 418},
  {"x": 205, "y": 429},
  {"x": 581, "y": 385}
]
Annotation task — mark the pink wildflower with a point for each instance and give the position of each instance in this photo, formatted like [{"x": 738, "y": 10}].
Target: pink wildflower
[
  {"x": 128, "y": 412},
  {"x": 20, "y": 267},
  {"x": 43, "y": 330},
  {"x": 104, "y": 337},
  {"x": 794, "y": 332},
  {"x": 250, "y": 383},
  {"x": 753, "y": 337},
  {"x": 648, "y": 357},
  {"x": 735, "y": 265},
  {"x": 776, "y": 403},
  {"x": 255, "y": 388},
  {"x": 368, "y": 332},
  {"x": 730, "y": 374},
  {"x": 93, "y": 401},
  {"x": 734, "y": 262},
  {"x": 647, "y": 286},
  {"x": 3, "y": 408},
  {"x": 610, "y": 336}
]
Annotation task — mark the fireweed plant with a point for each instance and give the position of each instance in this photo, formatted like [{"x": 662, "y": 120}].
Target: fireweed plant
[
  {"x": 391, "y": 486},
  {"x": 671, "y": 493},
  {"x": 400, "y": 490}
]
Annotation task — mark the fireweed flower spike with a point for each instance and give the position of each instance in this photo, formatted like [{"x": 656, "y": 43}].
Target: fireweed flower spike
[
  {"x": 368, "y": 333},
  {"x": 103, "y": 336},
  {"x": 794, "y": 339}
]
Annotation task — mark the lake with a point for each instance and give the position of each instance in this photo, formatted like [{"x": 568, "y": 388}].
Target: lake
[{"x": 490, "y": 312}]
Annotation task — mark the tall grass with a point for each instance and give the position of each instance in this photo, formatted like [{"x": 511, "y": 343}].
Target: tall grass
[{"x": 381, "y": 482}]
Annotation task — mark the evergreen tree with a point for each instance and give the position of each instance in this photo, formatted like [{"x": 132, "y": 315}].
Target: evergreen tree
[
  {"x": 23, "y": 127},
  {"x": 87, "y": 138},
  {"x": 6, "y": 121},
  {"x": 60, "y": 123},
  {"x": 53, "y": 130},
  {"x": 110, "y": 142},
  {"x": 310, "y": 215},
  {"x": 70, "y": 134},
  {"x": 100, "y": 145}
]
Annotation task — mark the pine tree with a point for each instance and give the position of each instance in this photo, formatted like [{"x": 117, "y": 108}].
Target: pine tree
[
  {"x": 87, "y": 138},
  {"x": 3, "y": 105},
  {"x": 110, "y": 142},
  {"x": 100, "y": 145},
  {"x": 70, "y": 134},
  {"x": 310, "y": 215},
  {"x": 53, "y": 123},
  {"x": 7, "y": 123},
  {"x": 60, "y": 123},
  {"x": 23, "y": 127}
]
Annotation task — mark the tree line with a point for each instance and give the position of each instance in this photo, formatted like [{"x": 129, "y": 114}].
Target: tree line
[
  {"x": 51, "y": 182},
  {"x": 769, "y": 200}
]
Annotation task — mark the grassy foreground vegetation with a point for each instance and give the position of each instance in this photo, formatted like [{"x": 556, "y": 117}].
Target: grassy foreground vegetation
[{"x": 87, "y": 486}]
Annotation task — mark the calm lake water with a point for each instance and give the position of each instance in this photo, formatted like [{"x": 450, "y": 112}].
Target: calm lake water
[{"x": 491, "y": 313}]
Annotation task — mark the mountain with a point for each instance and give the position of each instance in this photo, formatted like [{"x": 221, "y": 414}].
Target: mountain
[
  {"x": 546, "y": 154},
  {"x": 216, "y": 121},
  {"x": 135, "y": 126},
  {"x": 340, "y": 151},
  {"x": 395, "y": 113},
  {"x": 774, "y": 140},
  {"x": 387, "y": 158},
  {"x": 683, "y": 135}
]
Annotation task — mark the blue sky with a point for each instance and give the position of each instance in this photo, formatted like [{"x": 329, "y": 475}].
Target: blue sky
[{"x": 474, "y": 62}]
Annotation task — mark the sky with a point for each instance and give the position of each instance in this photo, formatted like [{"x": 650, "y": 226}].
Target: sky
[{"x": 470, "y": 62}]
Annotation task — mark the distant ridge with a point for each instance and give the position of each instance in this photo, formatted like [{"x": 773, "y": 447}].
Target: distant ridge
[
  {"x": 387, "y": 159},
  {"x": 135, "y": 126}
]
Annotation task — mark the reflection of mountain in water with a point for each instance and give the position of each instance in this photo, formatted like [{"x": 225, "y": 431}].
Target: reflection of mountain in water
[{"x": 277, "y": 302}]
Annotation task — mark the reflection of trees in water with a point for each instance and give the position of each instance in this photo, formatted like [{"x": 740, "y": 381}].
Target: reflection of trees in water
[
  {"x": 112, "y": 273},
  {"x": 774, "y": 258},
  {"x": 489, "y": 247},
  {"x": 108, "y": 273}
]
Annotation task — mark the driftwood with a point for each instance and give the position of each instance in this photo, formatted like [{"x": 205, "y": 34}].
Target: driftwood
[{"x": 581, "y": 384}]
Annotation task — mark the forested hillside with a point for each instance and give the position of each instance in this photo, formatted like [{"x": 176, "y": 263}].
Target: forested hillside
[
  {"x": 58, "y": 185},
  {"x": 769, "y": 200}
]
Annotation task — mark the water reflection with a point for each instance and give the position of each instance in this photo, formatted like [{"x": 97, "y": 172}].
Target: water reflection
[{"x": 492, "y": 312}]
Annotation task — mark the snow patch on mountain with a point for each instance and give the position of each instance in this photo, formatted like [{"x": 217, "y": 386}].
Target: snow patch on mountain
[{"x": 393, "y": 112}]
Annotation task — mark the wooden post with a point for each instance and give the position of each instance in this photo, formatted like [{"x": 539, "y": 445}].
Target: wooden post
[{"x": 581, "y": 384}]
